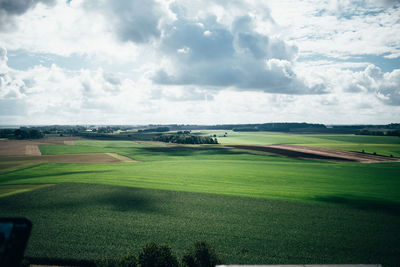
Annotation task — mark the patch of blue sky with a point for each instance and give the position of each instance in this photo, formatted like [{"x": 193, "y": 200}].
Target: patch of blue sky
[
  {"x": 357, "y": 10},
  {"x": 23, "y": 60},
  {"x": 384, "y": 63}
]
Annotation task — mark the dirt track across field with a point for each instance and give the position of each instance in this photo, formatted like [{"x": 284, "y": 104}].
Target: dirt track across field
[{"x": 318, "y": 153}]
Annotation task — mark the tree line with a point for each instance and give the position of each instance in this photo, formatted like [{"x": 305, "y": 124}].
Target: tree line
[
  {"x": 157, "y": 130},
  {"x": 379, "y": 133},
  {"x": 21, "y": 133},
  {"x": 186, "y": 139}
]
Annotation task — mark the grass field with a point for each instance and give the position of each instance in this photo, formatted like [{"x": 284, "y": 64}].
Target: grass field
[
  {"x": 89, "y": 221},
  {"x": 256, "y": 207}
]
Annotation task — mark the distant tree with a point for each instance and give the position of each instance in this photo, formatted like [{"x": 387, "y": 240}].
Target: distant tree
[
  {"x": 181, "y": 138},
  {"x": 25, "y": 133},
  {"x": 6, "y": 133}
]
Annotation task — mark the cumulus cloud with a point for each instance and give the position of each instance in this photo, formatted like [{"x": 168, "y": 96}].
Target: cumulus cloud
[
  {"x": 3, "y": 59},
  {"x": 206, "y": 52},
  {"x": 56, "y": 92},
  {"x": 136, "y": 21},
  {"x": 384, "y": 85},
  {"x": 11, "y": 8},
  {"x": 131, "y": 20},
  {"x": 239, "y": 60},
  {"x": 389, "y": 91},
  {"x": 181, "y": 94},
  {"x": 6, "y": 82},
  {"x": 18, "y": 7},
  {"x": 340, "y": 28}
]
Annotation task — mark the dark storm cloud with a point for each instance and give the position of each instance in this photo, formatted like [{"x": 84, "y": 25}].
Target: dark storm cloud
[{"x": 11, "y": 8}]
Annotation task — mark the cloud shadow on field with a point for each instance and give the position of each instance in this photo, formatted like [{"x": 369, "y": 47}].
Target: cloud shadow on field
[
  {"x": 129, "y": 199},
  {"x": 187, "y": 151},
  {"x": 389, "y": 207},
  {"x": 23, "y": 175},
  {"x": 81, "y": 197}
]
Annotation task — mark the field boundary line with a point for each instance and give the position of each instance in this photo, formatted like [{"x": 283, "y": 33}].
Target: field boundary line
[
  {"x": 22, "y": 190},
  {"x": 121, "y": 157}
]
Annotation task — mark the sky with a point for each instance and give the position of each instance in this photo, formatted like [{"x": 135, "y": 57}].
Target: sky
[{"x": 199, "y": 61}]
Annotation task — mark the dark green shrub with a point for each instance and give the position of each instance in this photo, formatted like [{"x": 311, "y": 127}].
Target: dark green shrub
[
  {"x": 154, "y": 255},
  {"x": 201, "y": 255},
  {"x": 126, "y": 261},
  {"x": 107, "y": 262},
  {"x": 24, "y": 263}
]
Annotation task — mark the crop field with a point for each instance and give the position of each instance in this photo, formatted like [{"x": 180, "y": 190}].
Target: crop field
[
  {"x": 256, "y": 207},
  {"x": 383, "y": 145}
]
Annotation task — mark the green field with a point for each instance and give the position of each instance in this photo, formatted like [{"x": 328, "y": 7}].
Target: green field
[
  {"x": 257, "y": 208},
  {"x": 383, "y": 145}
]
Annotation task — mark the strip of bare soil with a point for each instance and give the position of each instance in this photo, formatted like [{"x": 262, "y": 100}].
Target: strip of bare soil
[
  {"x": 318, "y": 153},
  {"x": 32, "y": 150},
  {"x": 71, "y": 143},
  {"x": 15, "y": 162},
  {"x": 121, "y": 157},
  {"x": 29, "y": 147}
]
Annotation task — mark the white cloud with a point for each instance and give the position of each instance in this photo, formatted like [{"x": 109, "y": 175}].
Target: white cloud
[
  {"x": 235, "y": 56},
  {"x": 371, "y": 81},
  {"x": 3, "y": 59},
  {"x": 65, "y": 29},
  {"x": 9, "y": 9},
  {"x": 57, "y": 96},
  {"x": 185, "y": 61},
  {"x": 137, "y": 21},
  {"x": 340, "y": 28},
  {"x": 65, "y": 95}
]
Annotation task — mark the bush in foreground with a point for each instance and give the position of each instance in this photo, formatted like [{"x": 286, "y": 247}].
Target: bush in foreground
[
  {"x": 154, "y": 255},
  {"x": 201, "y": 255},
  {"x": 129, "y": 260}
]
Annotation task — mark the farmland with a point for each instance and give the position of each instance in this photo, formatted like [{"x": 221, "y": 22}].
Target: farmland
[
  {"x": 256, "y": 207},
  {"x": 384, "y": 145}
]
